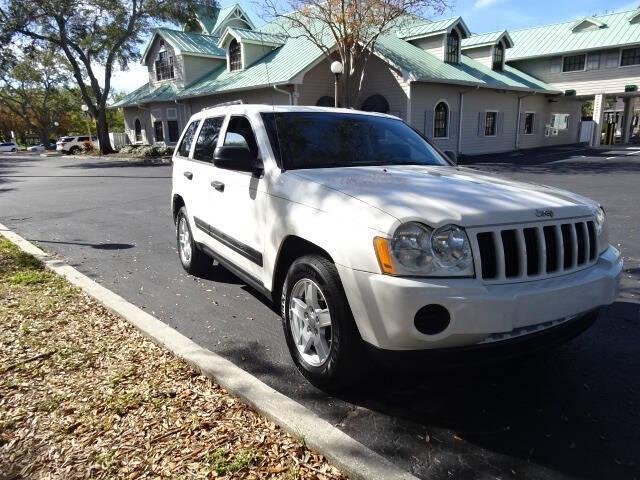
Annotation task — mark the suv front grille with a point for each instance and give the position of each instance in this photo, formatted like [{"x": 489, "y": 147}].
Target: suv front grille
[{"x": 519, "y": 253}]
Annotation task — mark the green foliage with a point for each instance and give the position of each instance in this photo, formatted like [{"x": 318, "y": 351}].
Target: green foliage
[{"x": 224, "y": 464}]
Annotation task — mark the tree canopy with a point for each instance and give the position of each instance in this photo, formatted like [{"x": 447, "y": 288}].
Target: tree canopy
[{"x": 94, "y": 36}]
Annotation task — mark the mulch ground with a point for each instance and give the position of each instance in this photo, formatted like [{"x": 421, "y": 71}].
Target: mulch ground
[{"x": 84, "y": 395}]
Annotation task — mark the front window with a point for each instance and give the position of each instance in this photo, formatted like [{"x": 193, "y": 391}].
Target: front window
[
  {"x": 560, "y": 121},
  {"x": 441, "y": 121},
  {"x": 498, "y": 57},
  {"x": 574, "y": 63},
  {"x": 529, "y": 119},
  {"x": 239, "y": 133},
  {"x": 235, "y": 56},
  {"x": 630, "y": 56},
  {"x": 328, "y": 140},
  {"x": 452, "y": 54},
  {"x": 164, "y": 66},
  {"x": 490, "y": 124}
]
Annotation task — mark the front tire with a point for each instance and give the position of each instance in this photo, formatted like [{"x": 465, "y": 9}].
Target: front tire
[
  {"x": 73, "y": 150},
  {"x": 318, "y": 325},
  {"x": 194, "y": 260}
]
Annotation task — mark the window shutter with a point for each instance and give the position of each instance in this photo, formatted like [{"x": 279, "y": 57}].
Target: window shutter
[
  {"x": 500, "y": 120},
  {"x": 611, "y": 60},
  {"x": 481, "y": 117},
  {"x": 521, "y": 123},
  {"x": 428, "y": 123},
  {"x": 556, "y": 65},
  {"x": 453, "y": 125}
]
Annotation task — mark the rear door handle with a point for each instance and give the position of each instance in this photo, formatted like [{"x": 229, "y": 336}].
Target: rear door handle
[
  {"x": 189, "y": 175},
  {"x": 219, "y": 186}
]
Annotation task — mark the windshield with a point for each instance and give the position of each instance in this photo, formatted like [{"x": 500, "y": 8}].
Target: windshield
[{"x": 327, "y": 139}]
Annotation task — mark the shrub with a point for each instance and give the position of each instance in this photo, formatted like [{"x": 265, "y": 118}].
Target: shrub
[{"x": 88, "y": 147}]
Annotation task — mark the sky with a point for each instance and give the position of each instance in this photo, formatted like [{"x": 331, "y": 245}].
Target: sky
[{"x": 479, "y": 15}]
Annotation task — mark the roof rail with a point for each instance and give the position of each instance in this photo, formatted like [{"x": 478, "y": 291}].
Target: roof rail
[{"x": 224, "y": 104}]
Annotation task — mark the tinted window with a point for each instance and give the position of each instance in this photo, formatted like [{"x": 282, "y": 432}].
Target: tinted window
[
  {"x": 83, "y": 139},
  {"x": 187, "y": 140},
  {"x": 321, "y": 140},
  {"x": 574, "y": 63},
  {"x": 174, "y": 131},
  {"x": 239, "y": 132},
  {"x": 630, "y": 56},
  {"x": 67, "y": 139},
  {"x": 208, "y": 139}
]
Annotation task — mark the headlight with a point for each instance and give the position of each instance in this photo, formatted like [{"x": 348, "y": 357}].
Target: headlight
[
  {"x": 602, "y": 232},
  {"x": 417, "y": 249}
]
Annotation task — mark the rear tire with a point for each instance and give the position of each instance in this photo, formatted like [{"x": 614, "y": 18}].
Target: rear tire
[
  {"x": 73, "y": 150},
  {"x": 194, "y": 260},
  {"x": 14, "y": 150},
  {"x": 321, "y": 334}
]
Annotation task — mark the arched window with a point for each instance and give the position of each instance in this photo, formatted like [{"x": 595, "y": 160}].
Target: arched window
[
  {"x": 138, "y": 129},
  {"x": 441, "y": 121},
  {"x": 498, "y": 56},
  {"x": 375, "y": 103},
  {"x": 452, "y": 54},
  {"x": 235, "y": 56}
]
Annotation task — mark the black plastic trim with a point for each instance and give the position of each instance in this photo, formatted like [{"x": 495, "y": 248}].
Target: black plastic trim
[
  {"x": 237, "y": 271},
  {"x": 238, "y": 247}
]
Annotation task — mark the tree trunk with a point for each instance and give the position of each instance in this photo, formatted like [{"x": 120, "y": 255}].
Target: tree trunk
[
  {"x": 44, "y": 134},
  {"x": 102, "y": 130}
]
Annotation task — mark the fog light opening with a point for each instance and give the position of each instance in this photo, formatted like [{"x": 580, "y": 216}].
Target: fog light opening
[{"x": 432, "y": 319}]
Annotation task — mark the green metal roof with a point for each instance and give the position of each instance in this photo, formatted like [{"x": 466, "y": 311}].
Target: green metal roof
[
  {"x": 617, "y": 30},
  {"x": 425, "y": 67},
  {"x": 421, "y": 27},
  {"x": 186, "y": 43},
  {"x": 254, "y": 36},
  {"x": 163, "y": 93},
  {"x": 485, "y": 39}
]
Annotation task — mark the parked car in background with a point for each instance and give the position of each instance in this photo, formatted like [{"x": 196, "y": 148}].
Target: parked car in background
[
  {"x": 8, "y": 147},
  {"x": 41, "y": 147},
  {"x": 75, "y": 144},
  {"x": 373, "y": 241}
]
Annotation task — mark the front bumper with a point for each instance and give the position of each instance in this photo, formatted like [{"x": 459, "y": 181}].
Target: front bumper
[{"x": 384, "y": 307}]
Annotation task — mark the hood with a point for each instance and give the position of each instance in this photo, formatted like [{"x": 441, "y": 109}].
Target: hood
[{"x": 438, "y": 194}]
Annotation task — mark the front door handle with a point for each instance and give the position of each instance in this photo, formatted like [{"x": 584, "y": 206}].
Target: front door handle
[
  {"x": 189, "y": 175},
  {"x": 219, "y": 186}
]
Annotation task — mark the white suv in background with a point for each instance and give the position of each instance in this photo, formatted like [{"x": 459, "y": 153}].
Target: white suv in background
[
  {"x": 372, "y": 240},
  {"x": 74, "y": 145}
]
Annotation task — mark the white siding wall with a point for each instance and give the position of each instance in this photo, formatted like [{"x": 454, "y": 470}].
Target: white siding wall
[
  {"x": 608, "y": 78},
  {"x": 317, "y": 82},
  {"x": 252, "y": 53},
  {"x": 425, "y": 96},
  {"x": 434, "y": 45},
  {"x": 197, "y": 67},
  {"x": 484, "y": 55}
]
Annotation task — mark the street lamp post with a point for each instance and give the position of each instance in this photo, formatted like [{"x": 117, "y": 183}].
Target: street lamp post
[
  {"x": 336, "y": 69},
  {"x": 85, "y": 109}
]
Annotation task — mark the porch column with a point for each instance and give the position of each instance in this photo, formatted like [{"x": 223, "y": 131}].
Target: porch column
[
  {"x": 598, "y": 119},
  {"x": 627, "y": 118}
]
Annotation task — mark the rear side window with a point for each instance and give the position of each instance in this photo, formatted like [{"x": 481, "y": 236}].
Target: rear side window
[
  {"x": 208, "y": 139},
  {"x": 83, "y": 139},
  {"x": 68, "y": 139},
  {"x": 187, "y": 140},
  {"x": 240, "y": 133}
]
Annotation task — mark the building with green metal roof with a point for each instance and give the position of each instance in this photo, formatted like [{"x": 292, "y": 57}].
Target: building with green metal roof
[{"x": 463, "y": 91}]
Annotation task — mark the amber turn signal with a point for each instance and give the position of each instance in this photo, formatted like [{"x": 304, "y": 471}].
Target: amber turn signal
[{"x": 383, "y": 252}]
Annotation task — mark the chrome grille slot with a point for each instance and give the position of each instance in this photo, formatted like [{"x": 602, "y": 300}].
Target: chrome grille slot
[{"x": 534, "y": 251}]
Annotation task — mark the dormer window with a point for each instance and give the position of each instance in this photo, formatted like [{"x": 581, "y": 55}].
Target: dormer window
[
  {"x": 452, "y": 53},
  {"x": 498, "y": 57},
  {"x": 164, "y": 64},
  {"x": 235, "y": 56}
]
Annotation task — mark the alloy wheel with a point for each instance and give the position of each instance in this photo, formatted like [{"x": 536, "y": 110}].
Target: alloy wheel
[{"x": 184, "y": 240}]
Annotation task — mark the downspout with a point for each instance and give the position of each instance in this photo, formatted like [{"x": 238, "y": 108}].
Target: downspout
[
  {"x": 461, "y": 109},
  {"x": 520, "y": 97},
  {"x": 286, "y": 92}
]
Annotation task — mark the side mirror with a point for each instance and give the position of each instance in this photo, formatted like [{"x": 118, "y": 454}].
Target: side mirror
[
  {"x": 451, "y": 155},
  {"x": 236, "y": 157}
]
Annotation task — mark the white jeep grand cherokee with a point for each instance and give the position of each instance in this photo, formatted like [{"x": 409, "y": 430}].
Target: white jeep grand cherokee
[{"x": 374, "y": 240}]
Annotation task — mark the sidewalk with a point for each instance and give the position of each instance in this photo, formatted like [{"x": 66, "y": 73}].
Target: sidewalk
[{"x": 83, "y": 394}]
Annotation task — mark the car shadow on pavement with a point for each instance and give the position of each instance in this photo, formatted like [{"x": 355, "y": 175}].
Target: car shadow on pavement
[
  {"x": 574, "y": 410},
  {"x": 109, "y": 163},
  {"x": 98, "y": 246}
]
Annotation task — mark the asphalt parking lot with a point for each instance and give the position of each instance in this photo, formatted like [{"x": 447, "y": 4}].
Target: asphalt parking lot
[{"x": 574, "y": 412}]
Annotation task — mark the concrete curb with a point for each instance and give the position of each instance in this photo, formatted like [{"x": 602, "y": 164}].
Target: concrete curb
[{"x": 350, "y": 456}]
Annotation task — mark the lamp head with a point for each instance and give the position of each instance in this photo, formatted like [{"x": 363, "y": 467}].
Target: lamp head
[{"x": 336, "y": 68}]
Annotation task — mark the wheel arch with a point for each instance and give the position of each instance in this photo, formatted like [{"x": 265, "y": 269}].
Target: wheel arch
[
  {"x": 292, "y": 248},
  {"x": 177, "y": 202}
]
